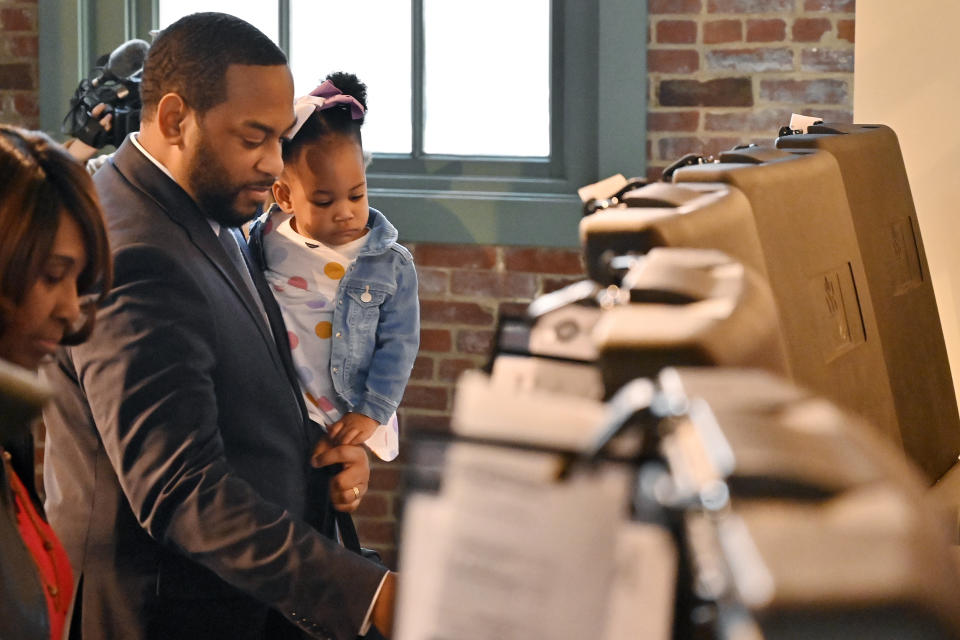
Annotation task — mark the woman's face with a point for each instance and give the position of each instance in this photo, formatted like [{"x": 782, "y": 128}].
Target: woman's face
[{"x": 51, "y": 305}]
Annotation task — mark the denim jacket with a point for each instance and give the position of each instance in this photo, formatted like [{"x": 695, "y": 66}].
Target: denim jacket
[{"x": 376, "y": 322}]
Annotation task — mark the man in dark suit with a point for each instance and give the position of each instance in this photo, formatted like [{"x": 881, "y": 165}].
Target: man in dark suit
[{"x": 178, "y": 460}]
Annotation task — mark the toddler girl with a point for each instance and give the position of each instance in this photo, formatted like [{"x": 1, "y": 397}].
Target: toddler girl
[{"x": 347, "y": 290}]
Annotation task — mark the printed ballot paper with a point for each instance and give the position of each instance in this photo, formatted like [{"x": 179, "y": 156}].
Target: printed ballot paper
[{"x": 507, "y": 550}]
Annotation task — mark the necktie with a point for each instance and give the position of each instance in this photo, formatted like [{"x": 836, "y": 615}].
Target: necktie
[{"x": 229, "y": 242}]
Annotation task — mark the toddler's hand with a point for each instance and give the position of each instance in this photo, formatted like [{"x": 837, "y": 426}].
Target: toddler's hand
[{"x": 353, "y": 428}]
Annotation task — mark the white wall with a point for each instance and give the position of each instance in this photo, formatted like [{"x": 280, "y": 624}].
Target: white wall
[{"x": 907, "y": 76}]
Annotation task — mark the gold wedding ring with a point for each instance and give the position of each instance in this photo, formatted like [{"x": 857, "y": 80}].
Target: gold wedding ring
[{"x": 356, "y": 493}]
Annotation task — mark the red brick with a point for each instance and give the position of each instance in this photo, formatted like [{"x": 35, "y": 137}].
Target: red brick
[
  {"x": 435, "y": 340},
  {"x": 385, "y": 478},
  {"x": 749, "y": 6},
  {"x": 810, "y": 29},
  {"x": 432, "y": 282},
  {"x": 722, "y": 92},
  {"x": 675, "y": 148},
  {"x": 765, "y": 141},
  {"x": 451, "y": 369},
  {"x": 24, "y": 46},
  {"x": 374, "y": 505},
  {"x": 26, "y": 105},
  {"x": 845, "y": 30},
  {"x": 9, "y": 116},
  {"x": 844, "y": 116},
  {"x": 722, "y": 31},
  {"x": 14, "y": 19},
  {"x": 447, "y": 312},
  {"x": 671, "y": 149},
  {"x": 766, "y": 30},
  {"x": 373, "y": 532},
  {"x": 538, "y": 260},
  {"x": 377, "y": 463},
  {"x": 827, "y": 60},
  {"x": 512, "y": 309},
  {"x": 837, "y": 6},
  {"x": 820, "y": 91},
  {"x": 752, "y": 120},
  {"x": 491, "y": 284},
  {"x": 422, "y": 368},
  {"x": 677, "y": 31},
  {"x": 675, "y": 6},
  {"x": 555, "y": 284},
  {"x": 475, "y": 342},
  {"x": 423, "y": 397},
  {"x": 17, "y": 76},
  {"x": 673, "y": 120},
  {"x": 398, "y": 500},
  {"x": 712, "y": 147},
  {"x": 412, "y": 422},
  {"x": 751, "y": 60},
  {"x": 455, "y": 255},
  {"x": 673, "y": 60}
]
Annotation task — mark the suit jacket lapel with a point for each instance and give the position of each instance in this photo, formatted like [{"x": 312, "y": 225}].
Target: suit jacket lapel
[
  {"x": 276, "y": 322},
  {"x": 180, "y": 207}
]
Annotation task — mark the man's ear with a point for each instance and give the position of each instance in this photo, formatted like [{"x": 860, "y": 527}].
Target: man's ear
[
  {"x": 172, "y": 113},
  {"x": 281, "y": 193}
]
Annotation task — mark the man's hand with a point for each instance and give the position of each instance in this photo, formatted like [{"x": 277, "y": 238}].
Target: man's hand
[
  {"x": 348, "y": 487},
  {"x": 383, "y": 608},
  {"x": 81, "y": 150},
  {"x": 353, "y": 428}
]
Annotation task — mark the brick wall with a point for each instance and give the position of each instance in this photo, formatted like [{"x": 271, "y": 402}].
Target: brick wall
[
  {"x": 463, "y": 289},
  {"x": 725, "y": 72},
  {"x": 18, "y": 63}
]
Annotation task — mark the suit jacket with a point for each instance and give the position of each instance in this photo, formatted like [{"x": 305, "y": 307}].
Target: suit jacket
[{"x": 177, "y": 454}]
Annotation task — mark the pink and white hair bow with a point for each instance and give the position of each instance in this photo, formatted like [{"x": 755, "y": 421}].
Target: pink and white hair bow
[{"x": 325, "y": 96}]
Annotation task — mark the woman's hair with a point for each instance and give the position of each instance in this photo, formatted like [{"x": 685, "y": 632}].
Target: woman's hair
[
  {"x": 329, "y": 122},
  {"x": 39, "y": 180}
]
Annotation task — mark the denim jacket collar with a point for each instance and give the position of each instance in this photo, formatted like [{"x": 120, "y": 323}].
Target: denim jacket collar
[{"x": 382, "y": 234}]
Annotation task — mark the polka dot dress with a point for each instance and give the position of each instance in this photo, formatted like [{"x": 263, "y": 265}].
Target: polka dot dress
[{"x": 304, "y": 276}]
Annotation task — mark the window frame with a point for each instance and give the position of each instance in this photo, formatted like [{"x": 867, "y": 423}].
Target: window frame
[{"x": 598, "y": 125}]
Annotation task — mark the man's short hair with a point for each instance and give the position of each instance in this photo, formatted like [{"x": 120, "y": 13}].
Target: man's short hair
[{"x": 190, "y": 58}]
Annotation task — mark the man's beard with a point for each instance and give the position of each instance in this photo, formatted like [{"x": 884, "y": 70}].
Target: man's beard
[{"x": 215, "y": 194}]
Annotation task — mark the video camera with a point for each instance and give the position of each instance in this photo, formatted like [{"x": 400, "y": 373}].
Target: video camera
[{"x": 115, "y": 83}]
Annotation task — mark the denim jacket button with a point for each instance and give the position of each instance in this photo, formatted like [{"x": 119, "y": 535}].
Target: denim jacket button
[{"x": 339, "y": 334}]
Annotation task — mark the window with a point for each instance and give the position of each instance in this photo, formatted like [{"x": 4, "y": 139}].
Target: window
[
  {"x": 485, "y": 118},
  {"x": 262, "y": 15},
  {"x": 379, "y": 53}
]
